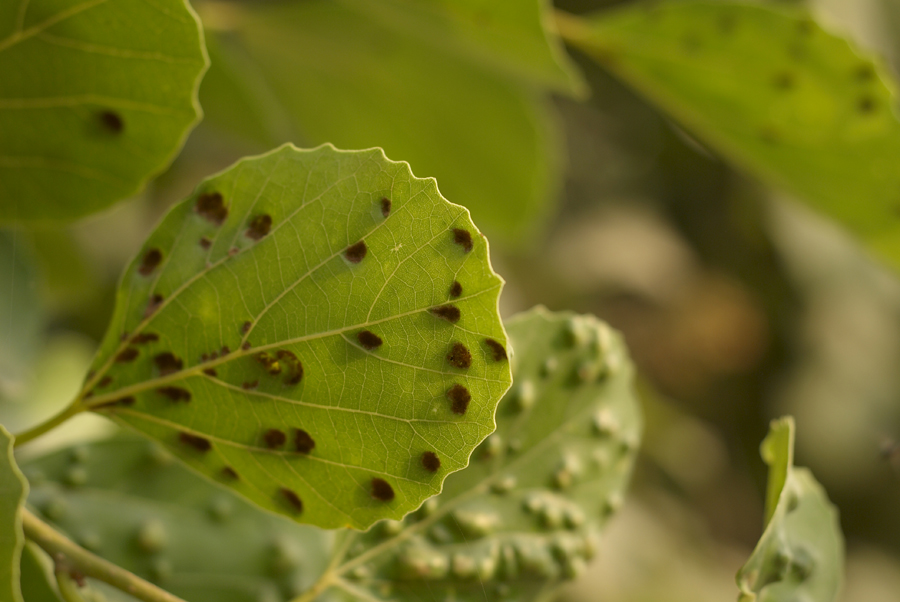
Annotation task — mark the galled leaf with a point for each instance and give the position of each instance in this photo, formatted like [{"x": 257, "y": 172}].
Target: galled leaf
[
  {"x": 526, "y": 513},
  {"x": 13, "y": 491},
  {"x": 292, "y": 331},
  {"x": 769, "y": 89},
  {"x": 800, "y": 555},
  {"x": 512, "y": 37},
  {"x": 130, "y": 502},
  {"x": 96, "y": 98},
  {"x": 320, "y": 72}
]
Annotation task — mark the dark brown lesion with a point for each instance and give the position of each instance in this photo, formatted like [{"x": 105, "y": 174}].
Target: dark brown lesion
[
  {"x": 447, "y": 312},
  {"x": 175, "y": 394},
  {"x": 129, "y": 354},
  {"x": 463, "y": 238},
  {"x": 167, "y": 363},
  {"x": 459, "y": 397},
  {"x": 455, "y": 290},
  {"x": 498, "y": 351},
  {"x": 356, "y": 252},
  {"x": 369, "y": 340},
  {"x": 274, "y": 438},
  {"x": 144, "y": 337},
  {"x": 211, "y": 206},
  {"x": 459, "y": 356},
  {"x": 385, "y": 206},
  {"x": 259, "y": 227},
  {"x": 382, "y": 490},
  {"x": 293, "y": 364},
  {"x": 111, "y": 121},
  {"x": 201, "y": 444},
  {"x": 293, "y": 500},
  {"x": 150, "y": 262},
  {"x": 430, "y": 461}
]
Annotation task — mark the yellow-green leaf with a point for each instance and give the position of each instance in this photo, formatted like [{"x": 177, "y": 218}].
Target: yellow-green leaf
[
  {"x": 293, "y": 331},
  {"x": 768, "y": 88},
  {"x": 96, "y": 97}
]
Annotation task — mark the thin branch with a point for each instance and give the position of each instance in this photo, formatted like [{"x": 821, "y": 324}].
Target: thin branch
[
  {"x": 88, "y": 564},
  {"x": 33, "y": 433}
]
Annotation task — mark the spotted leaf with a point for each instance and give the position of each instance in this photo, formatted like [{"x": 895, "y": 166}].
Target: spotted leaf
[
  {"x": 301, "y": 363},
  {"x": 128, "y": 500},
  {"x": 800, "y": 555},
  {"x": 13, "y": 490},
  {"x": 96, "y": 98},
  {"x": 768, "y": 88},
  {"x": 526, "y": 513}
]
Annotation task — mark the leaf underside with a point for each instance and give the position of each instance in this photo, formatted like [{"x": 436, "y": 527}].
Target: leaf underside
[
  {"x": 315, "y": 72},
  {"x": 13, "y": 490},
  {"x": 525, "y": 515},
  {"x": 128, "y": 500},
  {"x": 293, "y": 331},
  {"x": 94, "y": 100},
  {"x": 769, "y": 89},
  {"x": 800, "y": 555}
]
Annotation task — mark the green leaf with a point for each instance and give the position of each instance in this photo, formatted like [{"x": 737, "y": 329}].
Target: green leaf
[
  {"x": 127, "y": 500},
  {"x": 13, "y": 491},
  {"x": 114, "y": 99},
  {"x": 20, "y": 314},
  {"x": 800, "y": 555},
  {"x": 292, "y": 329},
  {"x": 318, "y": 72},
  {"x": 527, "y": 512},
  {"x": 36, "y": 584},
  {"x": 769, "y": 89},
  {"x": 511, "y": 37}
]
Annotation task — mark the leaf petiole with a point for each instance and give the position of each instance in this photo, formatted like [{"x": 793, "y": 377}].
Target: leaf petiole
[{"x": 76, "y": 407}]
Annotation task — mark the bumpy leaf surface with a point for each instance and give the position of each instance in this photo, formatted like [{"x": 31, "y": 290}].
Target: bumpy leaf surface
[
  {"x": 769, "y": 89},
  {"x": 526, "y": 513},
  {"x": 293, "y": 329},
  {"x": 318, "y": 72},
  {"x": 511, "y": 36},
  {"x": 130, "y": 502},
  {"x": 13, "y": 490},
  {"x": 800, "y": 555},
  {"x": 96, "y": 97}
]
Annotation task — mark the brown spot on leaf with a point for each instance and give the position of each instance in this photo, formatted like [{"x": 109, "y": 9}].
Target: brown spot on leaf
[
  {"x": 303, "y": 441},
  {"x": 229, "y": 473},
  {"x": 111, "y": 121},
  {"x": 201, "y": 444},
  {"x": 104, "y": 381},
  {"x": 249, "y": 386},
  {"x": 455, "y": 290},
  {"x": 152, "y": 305},
  {"x": 369, "y": 340},
  {"x": 210, "y": 372},
  {"x": 459, "y": 356},
  {"x": 866, "y": 105},
  {"x": 175, "y": 394},
  {"x": 385, "y": 206},
  {"x": 150, "y": 262},
  {"x": 246, "y": 345},
  {"x": 382, "y": 490},
  {"x": 356, "y": 253},
  {"x": 294, "y": 367},
  {"x": 450, "y": 313},
  {"x": 259, "y": 227},
  {"x": 211, "y": 206},
  {"x": 430, "y": 461},
  {"x": 274, "y": 438},
  {"x": 145, "y": 337},
  {"x": 245, "y": 327},
  {"x": 233, "y": 251},
  {"x": 129, "y": 354},
  {"x": 497, "y": 350},
  {"x": 463, "y": 238},
  {"x": 459, "y": 397},
  {"x": 292, "y": 499},
  {"x": 205, "y": 242},
  {"x": 225, "y": 350},
  {"x": 167, "y": 363},
  {"x": 269, "y": 363}
]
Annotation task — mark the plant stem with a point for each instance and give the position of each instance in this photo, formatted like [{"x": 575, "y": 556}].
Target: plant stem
[
  {"x": 51, "y": 423},
  {"x": 91, "y": 565}
]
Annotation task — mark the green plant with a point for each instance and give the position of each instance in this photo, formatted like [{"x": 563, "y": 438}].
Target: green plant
[{"x": 309, "y": 345}]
